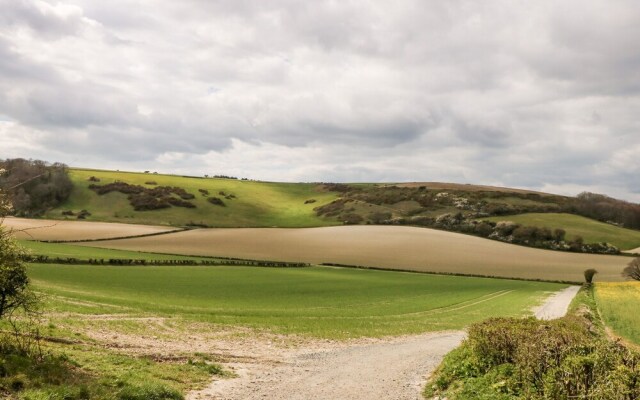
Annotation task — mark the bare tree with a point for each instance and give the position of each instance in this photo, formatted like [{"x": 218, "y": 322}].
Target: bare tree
[{"x": 632, "y": 271}]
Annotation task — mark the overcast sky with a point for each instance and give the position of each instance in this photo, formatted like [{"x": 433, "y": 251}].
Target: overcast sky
[{"x": 538, "y": 94}]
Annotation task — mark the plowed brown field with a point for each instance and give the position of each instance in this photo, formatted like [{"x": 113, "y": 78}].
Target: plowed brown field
[
  {"x": 410, "y": 248},
  {"x": 46, "y": 229}
]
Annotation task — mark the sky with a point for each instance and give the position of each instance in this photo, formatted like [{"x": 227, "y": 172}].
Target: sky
[{"x": 531, "y": 94}]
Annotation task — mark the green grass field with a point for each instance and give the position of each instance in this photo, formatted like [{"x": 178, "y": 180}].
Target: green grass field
[
  {"x": 591, "y": 231},
  {"x": 618, "y": 304},
  {"x": 257, "y": 204},
  {"x": 64, "y": 250},
  {"x": 319, "y": 301}
]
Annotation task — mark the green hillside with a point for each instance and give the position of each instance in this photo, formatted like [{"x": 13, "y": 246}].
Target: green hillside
[
  {"x": 250, "y": 203},
  {"x": 591, "y": 231}
]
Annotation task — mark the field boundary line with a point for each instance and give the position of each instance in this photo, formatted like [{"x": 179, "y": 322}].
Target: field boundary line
[
  {"x": 448, "y": 273},
  {"x": 116, "y": 237}
]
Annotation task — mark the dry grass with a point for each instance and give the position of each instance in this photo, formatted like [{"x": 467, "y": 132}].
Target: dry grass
[
  {"x": 408, "y": 248},
  {"x": 44, "y": 229}
]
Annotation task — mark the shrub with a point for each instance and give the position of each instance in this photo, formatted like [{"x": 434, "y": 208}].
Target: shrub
[
  {"x": 146, "y": 199},
  {"x": 526, "y": 358},
  {"x": 83, "y": 214},
  {"x": 216, "y": 201},
  {"x": 351, "y": 219},
  {"x": 589, "y": 274},
  {"x": 379, "y": 217},
  {"x": 483, "y": 229}
]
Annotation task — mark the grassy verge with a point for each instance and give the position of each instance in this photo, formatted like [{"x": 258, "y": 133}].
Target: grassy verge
[
  {"x": 505, "y": 358},
  {"x": 84, "y": 371}
]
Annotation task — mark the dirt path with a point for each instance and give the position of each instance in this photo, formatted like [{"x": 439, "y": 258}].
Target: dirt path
[
  {"x": 556, "y": 306},
  {"x": 377, "y": 369},
  {"x": 393, "y": 369},
  {"x": 633, "y": 251}
]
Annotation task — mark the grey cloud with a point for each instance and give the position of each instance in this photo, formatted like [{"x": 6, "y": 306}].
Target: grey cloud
[
  {"x": 48, "y": 20},
  {"x": 476, "y": 91}
]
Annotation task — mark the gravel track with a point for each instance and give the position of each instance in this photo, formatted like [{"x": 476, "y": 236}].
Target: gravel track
[
  {"x": 556, "y": 305},
  {"x": 394, "y": 369}
]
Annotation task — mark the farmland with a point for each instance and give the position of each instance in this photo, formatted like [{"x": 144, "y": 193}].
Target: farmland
[
  {"x": 316, "y": 301},
  {"x": 63, "y": 250},
  {"x": 253, "y": 203},
  {"x": 591, "y": 231},
  {"x": 418, "y": 249},
  {"x": 42, "y": 229},
  {"x": 618, "y": 304}
]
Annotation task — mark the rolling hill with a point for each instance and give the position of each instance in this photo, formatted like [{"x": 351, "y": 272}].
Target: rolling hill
[
  {"x": 244, "y": 203},
  {"x": 219, "y": 202},
  {"x": 182, "y": 201}
]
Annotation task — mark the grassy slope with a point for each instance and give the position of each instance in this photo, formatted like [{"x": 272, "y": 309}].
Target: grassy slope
[
  {"x": 618, "y": 304},
  {"x": 323, "y": 302},
  {"x": 257, "y": 204},
  {"x": 592, "y": 231}
]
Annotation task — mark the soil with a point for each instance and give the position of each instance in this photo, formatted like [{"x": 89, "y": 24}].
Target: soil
[{"x": 46, "y": 229}]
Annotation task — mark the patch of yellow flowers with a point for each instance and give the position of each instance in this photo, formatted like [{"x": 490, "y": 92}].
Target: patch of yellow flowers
[{"x": 618, "y": 291}]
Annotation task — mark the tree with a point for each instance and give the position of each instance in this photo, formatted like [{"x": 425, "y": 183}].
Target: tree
[
  {"x": 632, "y": 270},
  {"x": 14, "y": 282},
  {"x": 588, "y": 275},
  {"x": 34, "y": 186},
  {"x": 559, "y": 234}
]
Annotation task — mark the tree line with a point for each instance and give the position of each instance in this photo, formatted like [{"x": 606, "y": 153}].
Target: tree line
[
  {"x": 42, "y": 259},
  {"x": 607, "y": 209},
  {"x": 34, "y": 186}
]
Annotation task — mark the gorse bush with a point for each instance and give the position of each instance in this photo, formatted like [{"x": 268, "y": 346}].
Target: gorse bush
[
  {"x": 147, "y": 199},
  {"x": 568, "y": 358}
]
